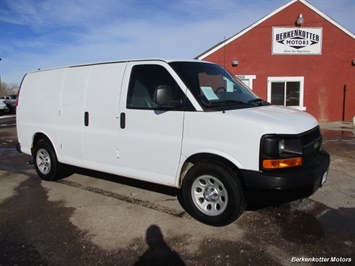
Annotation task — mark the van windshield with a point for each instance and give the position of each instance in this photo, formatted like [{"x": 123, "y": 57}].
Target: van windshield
[{"x": 214, "y": 88}]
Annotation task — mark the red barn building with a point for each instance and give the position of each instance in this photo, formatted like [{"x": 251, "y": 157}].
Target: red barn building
[{"x": 296, "y": 56}]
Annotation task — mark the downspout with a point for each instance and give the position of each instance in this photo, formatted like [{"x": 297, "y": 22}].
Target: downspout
[{"x": 344, "y": 97}]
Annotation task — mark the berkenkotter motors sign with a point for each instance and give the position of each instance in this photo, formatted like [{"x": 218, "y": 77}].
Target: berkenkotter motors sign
[{"x": 297, "y": 41}]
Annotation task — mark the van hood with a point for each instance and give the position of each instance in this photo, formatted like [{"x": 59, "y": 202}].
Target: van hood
[{"x": 276, "y": 119}]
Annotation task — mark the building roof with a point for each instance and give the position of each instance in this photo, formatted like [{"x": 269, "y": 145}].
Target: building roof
[{"x": 231, "y": 39}]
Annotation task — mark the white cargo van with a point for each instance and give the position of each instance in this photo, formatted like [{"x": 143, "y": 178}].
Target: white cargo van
[{"x": 185, "y": 124}]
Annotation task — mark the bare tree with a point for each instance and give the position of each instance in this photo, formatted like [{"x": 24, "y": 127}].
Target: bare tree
[{"x": 8, "y": 89}]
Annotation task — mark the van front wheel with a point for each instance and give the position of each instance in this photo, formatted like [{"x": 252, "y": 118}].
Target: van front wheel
[
  {"x": 212, "y": 194},
  {"x": 46, "y": 164}
]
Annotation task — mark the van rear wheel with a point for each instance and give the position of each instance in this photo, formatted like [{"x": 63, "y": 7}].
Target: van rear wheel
[
  {"x": 46, "y": 164},
  {"x": 212, "y": 194}
]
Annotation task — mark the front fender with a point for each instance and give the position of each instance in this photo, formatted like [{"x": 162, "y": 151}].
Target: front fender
[{"x": 188, "y": 160}]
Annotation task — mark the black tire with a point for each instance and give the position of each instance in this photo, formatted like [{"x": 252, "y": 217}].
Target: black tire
[
  {"x": 45, "y": 160},
  {"x": 212, "y": 194}
]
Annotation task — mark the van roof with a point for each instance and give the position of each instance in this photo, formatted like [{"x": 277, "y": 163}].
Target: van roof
[{"x": 122, "y": 61}]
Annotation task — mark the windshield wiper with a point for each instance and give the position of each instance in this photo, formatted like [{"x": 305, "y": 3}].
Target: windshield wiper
[
  {"x": 258, "y": 101},
  {"x": 228, "y": 102}
]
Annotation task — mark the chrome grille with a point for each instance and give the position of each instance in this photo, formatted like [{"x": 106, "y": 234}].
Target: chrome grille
[{"x": 311, "y": 144}]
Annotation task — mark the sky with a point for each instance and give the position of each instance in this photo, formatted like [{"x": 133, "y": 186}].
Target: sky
[{"x": 39, "y": 34}]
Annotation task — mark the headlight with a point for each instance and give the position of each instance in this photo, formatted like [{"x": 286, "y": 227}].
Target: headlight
[
  {"x": 281, "y": 145},
  {"x": 280, "y": 151}
]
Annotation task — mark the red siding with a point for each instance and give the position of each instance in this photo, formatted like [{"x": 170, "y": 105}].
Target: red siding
[{"x": 324, "y": 75}]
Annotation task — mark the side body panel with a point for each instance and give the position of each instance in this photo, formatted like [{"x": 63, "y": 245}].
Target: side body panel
[
  {"x": 229, "y": 136},
  {"x": 38, "y": 107}
]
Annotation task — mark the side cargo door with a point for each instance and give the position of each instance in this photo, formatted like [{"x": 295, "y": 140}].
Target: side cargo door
[
  {"x": 71, "y": 115},
  {"x": 100, "y": 116},
  {"x": 150, "y": 138}
]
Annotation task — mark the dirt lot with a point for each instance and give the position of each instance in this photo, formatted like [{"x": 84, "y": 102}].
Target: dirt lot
[{"x": 92, "y": 218}]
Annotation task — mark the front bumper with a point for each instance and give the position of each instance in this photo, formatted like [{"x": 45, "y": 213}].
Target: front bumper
[{"x": 276, "y": 187}]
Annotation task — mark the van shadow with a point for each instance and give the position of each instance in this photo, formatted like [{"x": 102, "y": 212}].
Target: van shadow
[
  {"x": 159, "y": 252},
  {"x": 170, "y": 191},
  {"x": 37, "y": 231}
]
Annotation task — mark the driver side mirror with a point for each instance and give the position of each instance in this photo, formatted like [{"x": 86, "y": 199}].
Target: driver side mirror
[{"x": 163, "y": 97}]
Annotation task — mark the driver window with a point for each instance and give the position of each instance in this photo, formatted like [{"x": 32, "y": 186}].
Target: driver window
[{"x": 144, "y": 80}]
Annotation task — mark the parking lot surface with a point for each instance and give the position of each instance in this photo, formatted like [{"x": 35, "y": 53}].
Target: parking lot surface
[{"x": 91, "y": 218}]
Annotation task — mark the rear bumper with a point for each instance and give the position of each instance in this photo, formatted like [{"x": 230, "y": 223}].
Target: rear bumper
[{"x": 281, "y": 186}]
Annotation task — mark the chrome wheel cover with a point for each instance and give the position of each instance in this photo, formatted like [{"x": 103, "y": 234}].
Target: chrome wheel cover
[{"x": 209, "y": 195}]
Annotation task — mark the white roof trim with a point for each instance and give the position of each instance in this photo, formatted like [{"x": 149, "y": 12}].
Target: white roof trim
[
  {"x": 211, "y": 51},
  {"x": 328, "y": 18}
]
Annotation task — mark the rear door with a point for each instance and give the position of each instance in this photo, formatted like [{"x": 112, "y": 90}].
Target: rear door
[{"x": 150, "y": 139}]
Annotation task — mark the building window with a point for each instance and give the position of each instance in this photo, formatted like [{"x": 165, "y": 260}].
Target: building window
[{"x": 286, "y": 91}]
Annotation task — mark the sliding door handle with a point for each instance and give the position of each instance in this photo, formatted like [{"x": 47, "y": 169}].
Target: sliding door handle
[
  {"x": 86, "y": 119},
  {"x": 123, "y": 120}
]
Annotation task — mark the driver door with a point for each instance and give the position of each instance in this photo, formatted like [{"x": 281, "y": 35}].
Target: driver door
[{"x": 150, "y": 138}]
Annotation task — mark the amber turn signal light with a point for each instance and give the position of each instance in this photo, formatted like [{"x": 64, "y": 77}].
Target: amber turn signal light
[{"x": 282, "y": 163}]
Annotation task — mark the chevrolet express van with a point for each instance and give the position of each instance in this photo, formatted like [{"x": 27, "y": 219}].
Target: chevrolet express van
[{"x": 184, "y": 124}]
